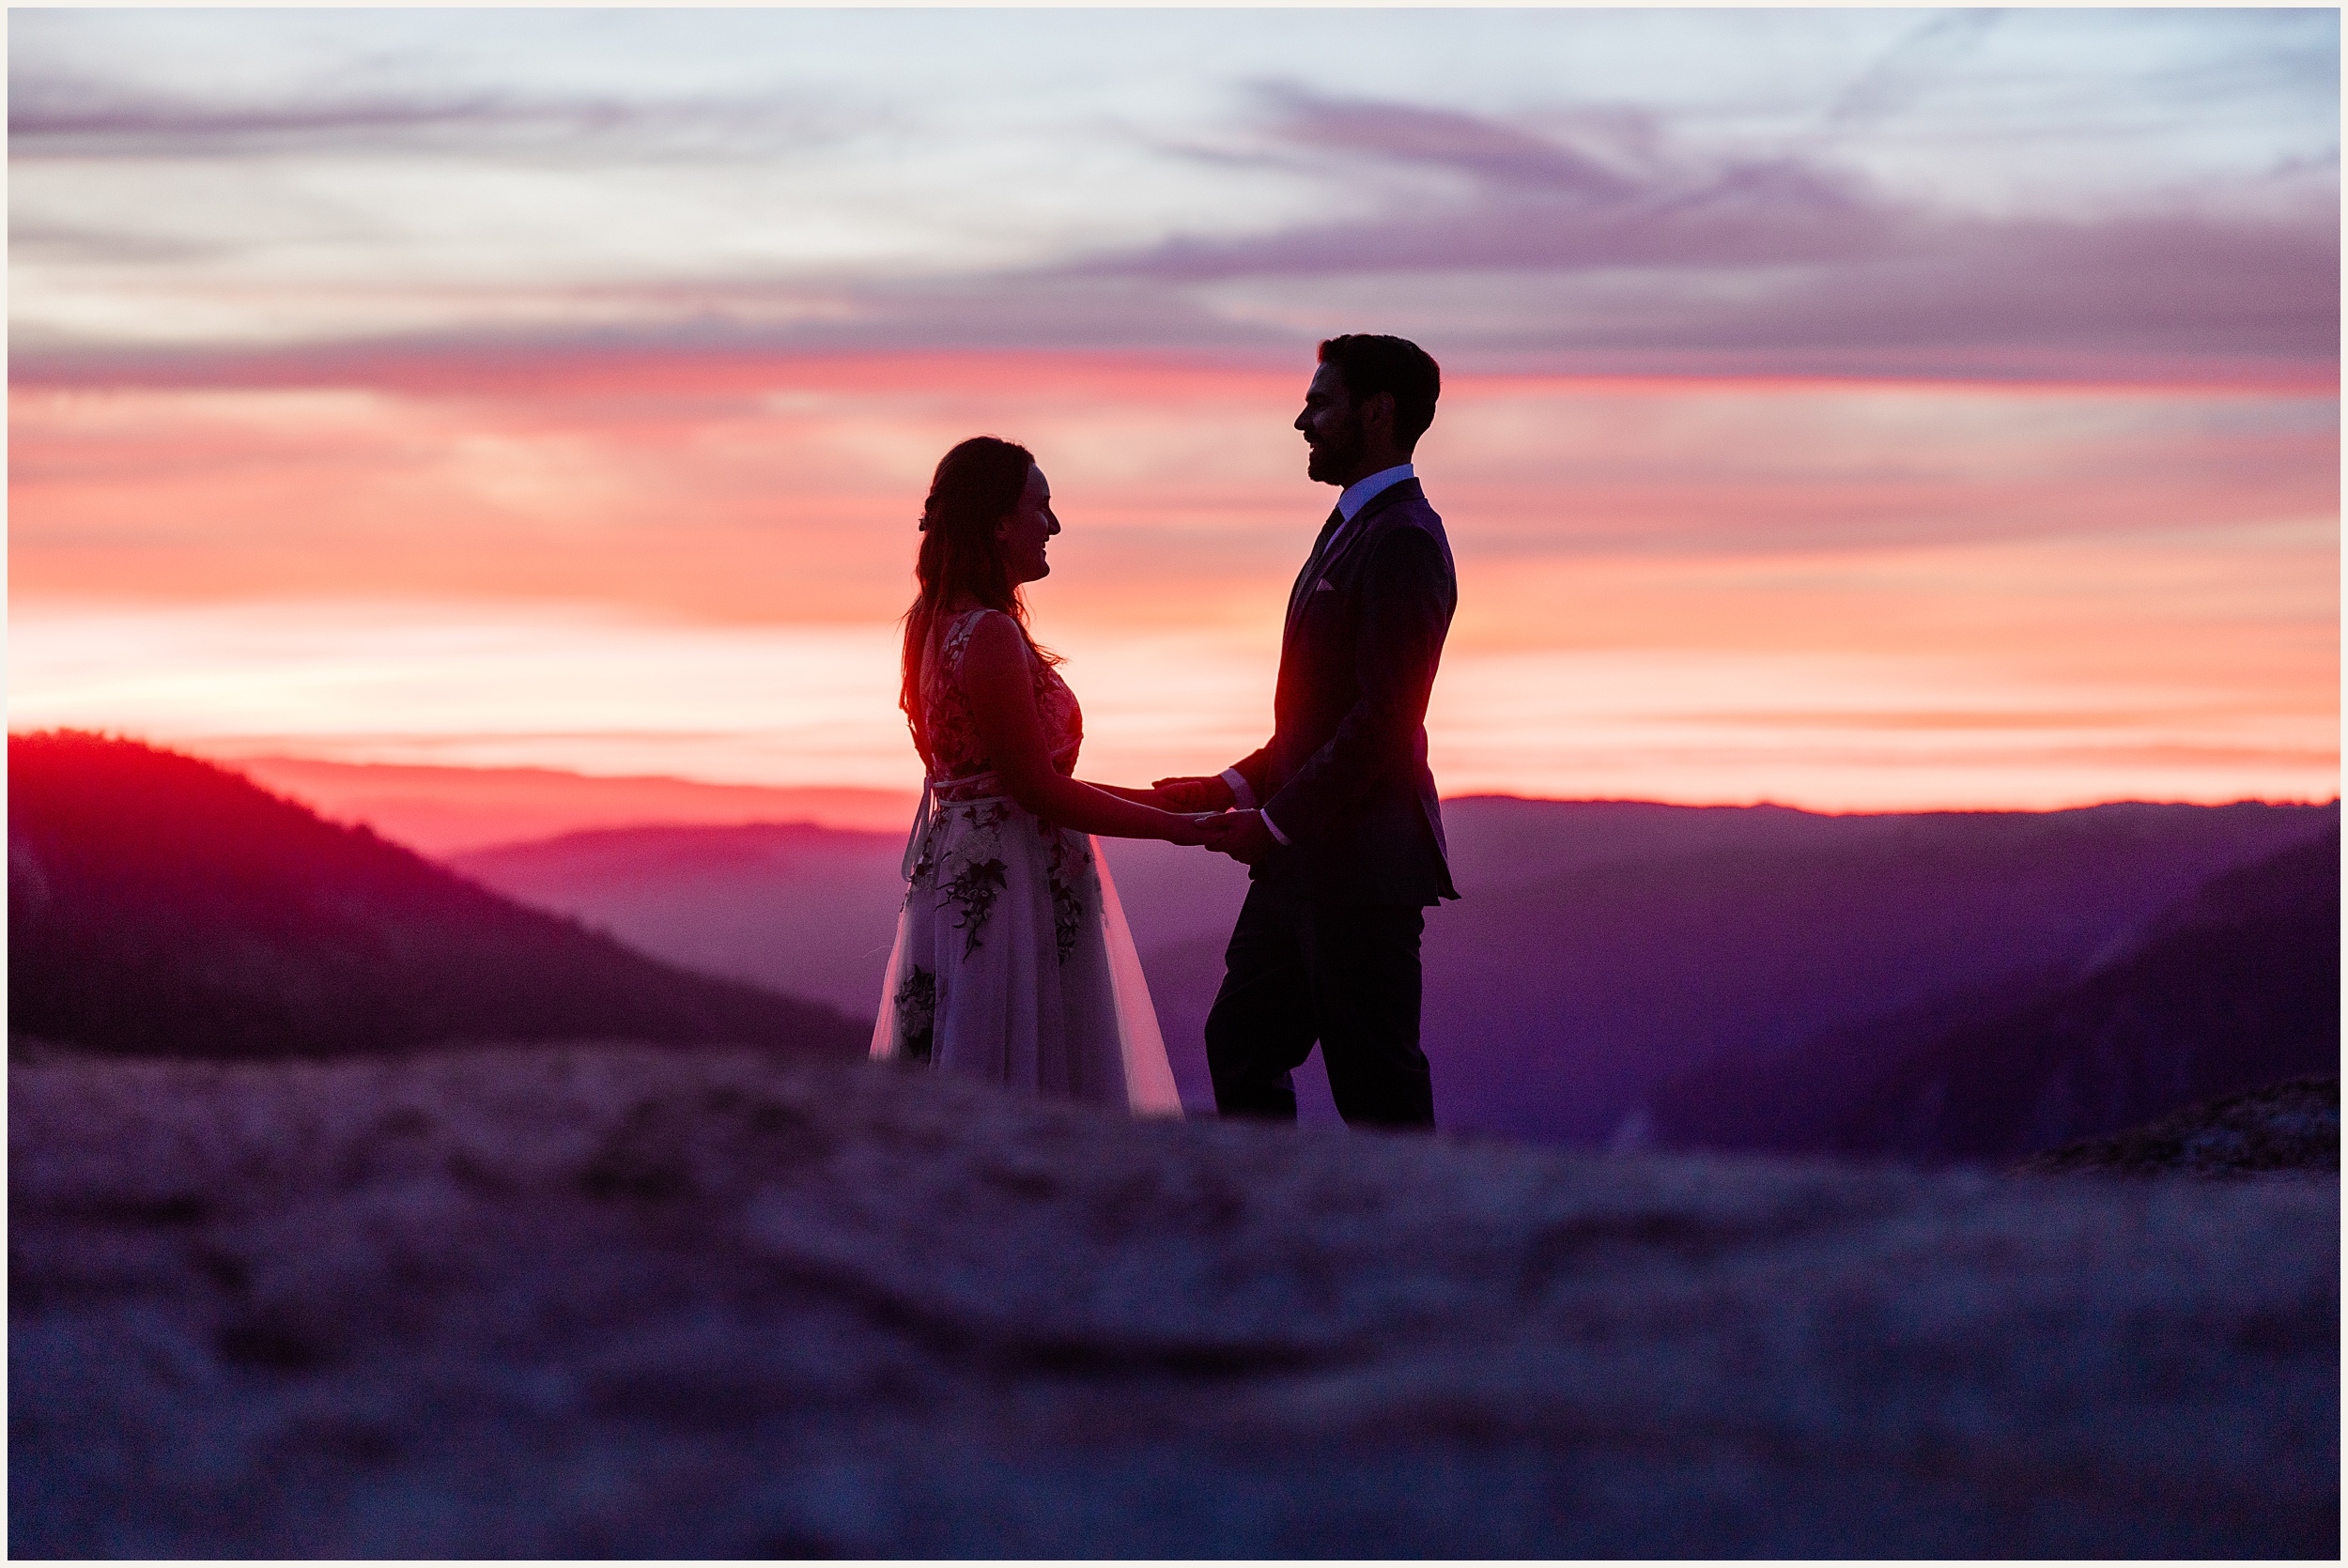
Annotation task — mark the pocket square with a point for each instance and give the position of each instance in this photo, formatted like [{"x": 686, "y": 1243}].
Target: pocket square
[{"x": 1324, "y": 586}]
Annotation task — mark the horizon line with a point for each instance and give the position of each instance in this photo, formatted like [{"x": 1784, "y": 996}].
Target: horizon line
[{"x": 237, "y": 761}]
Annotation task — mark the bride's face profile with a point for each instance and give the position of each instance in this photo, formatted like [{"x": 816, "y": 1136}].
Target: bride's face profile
[{"x": 1022, "y": 532}]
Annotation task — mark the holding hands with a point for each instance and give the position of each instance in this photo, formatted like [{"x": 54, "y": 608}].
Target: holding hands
[
  {"x": 1207, "y": 801},
  {"x": 1192, "y": 828},
  {"x": 1191, "y": 795},
  {"x": 1241, "y": 835}
]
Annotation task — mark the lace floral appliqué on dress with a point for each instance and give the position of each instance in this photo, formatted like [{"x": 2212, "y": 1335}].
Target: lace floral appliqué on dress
[{"x": 1013, "y": 962}]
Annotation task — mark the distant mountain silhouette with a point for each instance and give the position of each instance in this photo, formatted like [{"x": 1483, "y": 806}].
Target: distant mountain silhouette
[
  {"x": 785, "y": 905},
  {"x": 2234, "y": 986},
  {"x": 1567, "y": 1000},
  {"x": 160, "y": 906},
  {"x": 444, "y": 812},
  {"x": 1602, "y": 947}
]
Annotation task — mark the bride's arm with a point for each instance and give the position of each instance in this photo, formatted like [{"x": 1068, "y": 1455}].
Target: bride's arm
[{"x": 995, "y": 675}]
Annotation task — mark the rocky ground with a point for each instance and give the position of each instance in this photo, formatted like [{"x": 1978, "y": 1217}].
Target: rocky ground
[
  {"x": 2293, "y": 1126},
  {"x": 622, "y": 1300}
]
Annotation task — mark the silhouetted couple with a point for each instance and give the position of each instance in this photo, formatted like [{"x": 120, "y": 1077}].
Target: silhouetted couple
[{"x": 1013, "y": 962}]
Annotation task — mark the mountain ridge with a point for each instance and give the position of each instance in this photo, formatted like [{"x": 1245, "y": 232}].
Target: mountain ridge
[
  {"x": 1601, "y": 947},
  {"x": 161, "y": 904},
  {"x": 2231, "y": 985}
]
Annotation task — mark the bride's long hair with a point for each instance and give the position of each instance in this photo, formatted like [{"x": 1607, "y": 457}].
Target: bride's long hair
[{"x": 976, "y": 485}]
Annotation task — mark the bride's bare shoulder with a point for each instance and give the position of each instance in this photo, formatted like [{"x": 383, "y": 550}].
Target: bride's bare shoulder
[
  {"x": 958, "y": 625},
  {"x": 994, "y": 638}
]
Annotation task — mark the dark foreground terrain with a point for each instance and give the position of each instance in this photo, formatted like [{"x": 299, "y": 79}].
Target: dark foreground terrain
[{"x": 623, "y": 1301}]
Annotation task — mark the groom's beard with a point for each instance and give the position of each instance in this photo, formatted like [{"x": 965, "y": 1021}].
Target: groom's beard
[{"x": 1333, "y": 458}]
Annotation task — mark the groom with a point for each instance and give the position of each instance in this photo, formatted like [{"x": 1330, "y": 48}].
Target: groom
[{"x": 1336, "y": 815}]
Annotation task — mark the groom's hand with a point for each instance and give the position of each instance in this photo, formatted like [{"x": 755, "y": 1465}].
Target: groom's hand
[
  {"x": 1239, "y": 835},
  {"x": 1193, "y": 794}
]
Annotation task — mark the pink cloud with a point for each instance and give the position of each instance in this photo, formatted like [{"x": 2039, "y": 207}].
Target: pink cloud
[{"x": 736, "y": 486}]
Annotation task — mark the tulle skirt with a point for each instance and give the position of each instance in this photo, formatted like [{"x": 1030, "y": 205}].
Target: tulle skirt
[{"x": 1013, "y": 964}]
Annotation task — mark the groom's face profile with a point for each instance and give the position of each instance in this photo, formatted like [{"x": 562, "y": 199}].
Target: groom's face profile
[{"x": 1337, "y": 431}]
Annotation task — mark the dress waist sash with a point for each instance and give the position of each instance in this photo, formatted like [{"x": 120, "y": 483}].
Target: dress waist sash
[
  {"x": 968, "y": 787},
  {"x": 961, "y": 790}
]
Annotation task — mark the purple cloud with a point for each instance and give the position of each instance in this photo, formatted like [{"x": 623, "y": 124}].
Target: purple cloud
[
  {"x": 1771, "y": 254},
  {"x": 1589, "y": 242},
  {"x": 1482, "y": 148},
  {"x": 53, "y": 117}
]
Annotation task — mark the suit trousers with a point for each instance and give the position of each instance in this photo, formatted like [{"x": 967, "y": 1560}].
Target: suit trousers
[{"x": 1306, "y": 964}]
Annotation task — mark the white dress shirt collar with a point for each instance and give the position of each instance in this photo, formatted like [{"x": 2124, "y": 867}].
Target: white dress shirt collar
[{"x": 1358, "y": 493}]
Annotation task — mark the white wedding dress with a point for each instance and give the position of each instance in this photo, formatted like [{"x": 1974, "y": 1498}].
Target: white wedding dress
[{"x": 1013, "y": 962}]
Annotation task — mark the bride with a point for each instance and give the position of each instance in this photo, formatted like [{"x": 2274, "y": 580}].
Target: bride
[{"x": 1013, "y": 962}]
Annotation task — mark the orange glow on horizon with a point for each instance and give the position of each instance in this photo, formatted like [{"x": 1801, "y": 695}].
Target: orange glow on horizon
[{"x": 1822, "y": 590}]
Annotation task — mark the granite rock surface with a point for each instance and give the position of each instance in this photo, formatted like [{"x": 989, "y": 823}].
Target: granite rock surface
[
  {"x": 629, "y": 1301},
  {"x": 2291, "y": 1126}
]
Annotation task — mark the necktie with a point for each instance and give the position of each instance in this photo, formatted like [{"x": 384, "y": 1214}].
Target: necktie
[{"x": 1311, "y": 574}]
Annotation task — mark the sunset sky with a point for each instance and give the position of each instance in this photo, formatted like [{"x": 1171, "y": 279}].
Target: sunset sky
[{"x": 1855, "y": 410}]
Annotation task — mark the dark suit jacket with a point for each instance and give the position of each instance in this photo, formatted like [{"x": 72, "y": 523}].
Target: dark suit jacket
[{"x": 1345, "y": 772}]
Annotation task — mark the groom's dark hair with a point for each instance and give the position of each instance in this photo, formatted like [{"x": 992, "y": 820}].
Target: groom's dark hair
[{"x": 1372, "y": 362}]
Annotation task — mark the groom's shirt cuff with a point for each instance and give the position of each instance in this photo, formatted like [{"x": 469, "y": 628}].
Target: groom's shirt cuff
[{"x": 1244, "y": 797}]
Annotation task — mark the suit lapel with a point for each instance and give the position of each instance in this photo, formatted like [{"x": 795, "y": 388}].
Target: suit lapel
[
  {"x": 1324, "y": 560},
  {"x": 1364, "y": 521}
]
